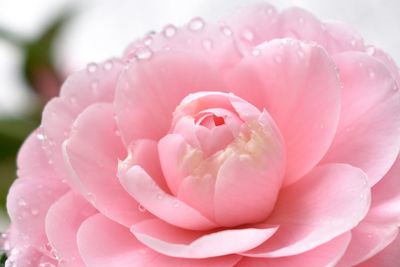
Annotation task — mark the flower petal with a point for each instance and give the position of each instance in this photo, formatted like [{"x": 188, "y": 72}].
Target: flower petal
[
  {"x": 103, "y": 242},
  {"x": 176, "y": 242},
  {"x": 81, "y": 89},
  {"x": 327, "y": 255},
  {"x": 165, "y": 206},
  {"x": 92, "y": 154},
  {"x": 149, "y": 91},
  {"x": 285, "y": 79},
  {"x": 368, "y": 134},
  {"x": 329, "y": 201},
  {"x": 389, "y": 257},
  {"x": 63, "y": 242}
]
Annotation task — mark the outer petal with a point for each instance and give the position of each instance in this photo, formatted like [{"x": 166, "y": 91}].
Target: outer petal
[
  {"x": 389, "y": 257},
  {"x": 334, "y": 37},
  {"x": 27, "y": 256},
  {"x": 326, "y": 255},
  {"x": 285, "y": 79},
  {"x": 387, "y": 60},
  {"x": 81, "y": 89},
  {"x": 165, "y": 206},
  {"x": 367, "y": 240},
  {"x": 61, "y": 231},
  {"x": 150, "y": 90},
  {"x": 368, "y": 134},
  {"x": 385, "y": 206},
  {"x": 30, "y": 197},
  {"x": 92, "y": 154},
  {"x": 105, "y": 243},
  {"x": 326, "y": 203},
  {"x": 175, "y": 242}
]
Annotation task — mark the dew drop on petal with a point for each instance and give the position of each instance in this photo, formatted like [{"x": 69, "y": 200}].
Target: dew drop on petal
[
  {"x": 371, "y": 50},
  {"x": 196, "y": 24},
  {"x": 300, "y": 53},
  {"x": 160, "y": 195},
  {"x": 148, "y": 40},
  {"x": 22, "y": 202},
  {"x": 40, "y": 136},
  {"x": 207, "y": 44},
  {"x": 278, "y": 59},
  {"x": 248, "y": 35},
  {"x": 46, "y": 264},
  {"x": 108, "y": 65},
  {"x": 91, "y": 67},
  {"x": 256, "y": 52},
  {"x": 226, "y": 30},
  {"x": 143, "y": 53},
  {"x": 91, "y": 198},
  {"x": 371, "y": 74},
  {"x": 169, "y": 31},
  {"x": 141, "y": 208}
]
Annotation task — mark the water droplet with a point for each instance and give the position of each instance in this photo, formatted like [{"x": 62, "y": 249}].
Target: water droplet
[
  {"x": 64, "y": 181},
  {"x": 226, "y": 30},
  {"x": 148, "y": 40},
  {"x": 160, "y": 195},
  {"x": 169, "y": 31},
  {"x": 91, "y": 197},
  {"x": 46, "y": 264},
  {"x": 301, "y": 20},
  {"x": 248, "y": 35},
  {"x": 72, "y": 100},
  {"x": 22, "y": 202},
  {"x": 40, "y": 136},
  {"x": 371, "y": 50},
  {"x": 270, "y": 11},
  {"x": 256, "y": 52},
  {"x": 300, "y": 53},
  {"x": 117, "y": 132},
  {"x": 362, "y": 196},
  {"x": 92, "y": 67},
  {"x": 207, "y": 44},
  {"x": 141, "y": 208},
  {"x": 34, "y": 212},
  {"x": 371, "y": 74},
  {"x": 196, "y": 24},
  {"x": 108, "y": 65},
  {"x": 353, "y": 42},
  {"x": 4, "y": 242},
  {"x": 278, "y": 59},
  {"x": 143, "y": 53}
]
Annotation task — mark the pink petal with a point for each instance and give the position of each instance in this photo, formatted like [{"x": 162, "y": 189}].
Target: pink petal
[
  {"x": 389, "y": 257},
  {"x": 209, "y": 41},
  {"x": 368, "y": 132},
  {"x": 61, "y": 231},
  {"x": 300, "y": 24},
  {"x": 103, "y": 242},
  {"x": 247, "y": 185},
  {"x": 327, "y": 254},
  {"x": 92, "y": 154},
  {"x": 172, "y": 241},
  {"x": 28, "y": 202},
  {"x": 254, "y": 25},
  {"x": 297, "y": 74},
  {"x": 329, "y": 201},
  {"x": 150, "y": 90},
  {"x": 81, "y": 89},
  {"x": 27, "y": 256},
  {"x": 367, "y": 240},
  {"x": 165, "y": 206},
  {"x": 385, "y": 206}
]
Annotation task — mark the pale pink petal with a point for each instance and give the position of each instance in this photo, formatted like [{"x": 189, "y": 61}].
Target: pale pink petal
[
  {"x": 28, "y": 202},
  {"x": 27, "y": 256},
  {"x": 286, "y": 79},
  {"x": 368, "y": 132},
  {"x": 92, "y": 154},
  {"x": 103, "y": 242},
  {"x": 387, "y": 60},
  {"x": 247, "y": 185},
  {"x": 389, "y": 257},
  {"x": 326, "y": 255},
  {"x": 385, "y": 206},
  {"x": 367, "y": 240},
  {"x": 329, "y": 201},
  {"x": 95, "y": 84},
  {"x": 253, "y": 25},
  {"x": 300, "y": 24},
  {"x": 211, "y": 42},
  {"x": 61, "y": 231},
  {"x": 172, "y": 241},
  {"x": 165, "y": 206},
  {"x": 149, "y": 91}
]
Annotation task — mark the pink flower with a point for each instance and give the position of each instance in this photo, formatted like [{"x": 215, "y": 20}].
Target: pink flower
[{"x": 269, "y": 140}]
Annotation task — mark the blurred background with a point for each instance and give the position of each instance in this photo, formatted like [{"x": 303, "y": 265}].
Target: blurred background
[{"x": 42, "y": 41}]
